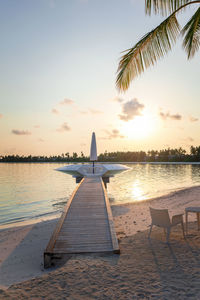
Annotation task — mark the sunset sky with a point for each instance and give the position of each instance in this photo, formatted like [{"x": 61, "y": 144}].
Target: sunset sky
[{"x": 58, "y": 68}]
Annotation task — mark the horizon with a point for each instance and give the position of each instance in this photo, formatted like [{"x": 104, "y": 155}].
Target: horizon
[
  {"x": 87, "y": 155},
  {"x": 59, "y": 63}
]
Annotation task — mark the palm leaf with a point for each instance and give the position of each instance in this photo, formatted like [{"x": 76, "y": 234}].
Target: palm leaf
[
  {"x": 164, "y": 7},
  {"x": 191, "y": 31},
  {"x": 147, "y": 51}
]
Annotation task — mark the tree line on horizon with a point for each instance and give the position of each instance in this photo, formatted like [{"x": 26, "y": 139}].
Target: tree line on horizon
[{"x": 165, "y": 155}]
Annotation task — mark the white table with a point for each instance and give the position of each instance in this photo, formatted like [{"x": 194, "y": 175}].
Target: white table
[{"x": 193, "y": 209}]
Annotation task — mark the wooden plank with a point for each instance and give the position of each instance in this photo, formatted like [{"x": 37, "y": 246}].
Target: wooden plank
[
  {"x": 86, "y": 224},
  {"x": 59, "y": 224},
  {"x": 111, "y": 223}
]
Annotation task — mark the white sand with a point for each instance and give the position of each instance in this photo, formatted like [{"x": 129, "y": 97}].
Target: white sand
[
  {"x": 21, "y": 251},
  {"x": 96, "y": 277},
  {"x": 132, "y": 218}
]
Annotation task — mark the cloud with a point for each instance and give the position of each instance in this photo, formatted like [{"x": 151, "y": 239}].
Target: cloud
[
  {"x": 193, "y": 119},
  {"x": 113, "y": 134},
  {"x": 67, "y": 102},
  {"x": 1, "y": 116},
  {"x": 21, "y": 132},
  {"x": 64, "y": 127},
  {"x": 90, "y": 110},
  {"x": 55, "y": 111},
  {"x": 117, "y": 99},
  {"x": 95, "y": 112},
  {"x": 82, "y": 112},
  {"x": 166, "y": 116},
  {"x": 131, "y": 109},
  {"x": 188, "y": 139},
  {"x": 116, "y": 134}
]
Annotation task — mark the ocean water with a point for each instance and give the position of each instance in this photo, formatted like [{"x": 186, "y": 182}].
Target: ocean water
[{"x": 35, "y": 190}]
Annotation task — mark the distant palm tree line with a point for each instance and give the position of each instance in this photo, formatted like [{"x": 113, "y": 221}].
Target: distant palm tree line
[
  {"x": 165, "y": 155},
  {"x": 156, "y": 43}
]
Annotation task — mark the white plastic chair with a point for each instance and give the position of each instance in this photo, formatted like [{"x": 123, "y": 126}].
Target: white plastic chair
[{"x": 160, "y": 218}]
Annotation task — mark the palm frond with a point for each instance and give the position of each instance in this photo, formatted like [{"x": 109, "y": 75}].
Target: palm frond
[
  {"x": 191, "y": 31},
  {"x": 164, "y": 7},
  {"x": 147, "y": 51}
]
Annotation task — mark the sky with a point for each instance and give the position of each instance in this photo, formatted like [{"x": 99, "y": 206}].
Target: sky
[{"x": 59, "y": 60}]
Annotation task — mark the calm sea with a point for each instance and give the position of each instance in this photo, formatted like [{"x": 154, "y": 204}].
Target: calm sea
[{"x": 32, "y": 190}]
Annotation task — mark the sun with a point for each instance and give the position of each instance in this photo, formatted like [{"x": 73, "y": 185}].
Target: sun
[{"x": 140, "y": 127}]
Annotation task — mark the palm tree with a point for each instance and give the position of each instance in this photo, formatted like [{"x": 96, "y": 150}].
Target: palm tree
[{"x": 156, "y": 43}]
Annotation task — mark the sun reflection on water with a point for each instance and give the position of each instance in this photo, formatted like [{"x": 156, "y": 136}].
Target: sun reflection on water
[{"x": 137, "y": 191}]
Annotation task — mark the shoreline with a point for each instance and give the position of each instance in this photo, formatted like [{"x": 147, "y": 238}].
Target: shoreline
[
  {"x": 21, "y": 248},
  {"x": 31, "y": 221},
  {"x": 55, "y": 215}
]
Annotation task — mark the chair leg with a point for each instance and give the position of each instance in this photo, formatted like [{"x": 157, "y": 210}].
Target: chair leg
[
  {"x": 186, "y": 219},
  {"x": 150, "y": 231},
  {"x": 198, "y": 221},
  {"x": 182, "y": 225},
  {"x": 168, "y": 234}
]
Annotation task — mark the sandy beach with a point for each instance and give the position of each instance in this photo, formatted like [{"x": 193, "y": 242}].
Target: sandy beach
[{"x": 144, "y": 269}]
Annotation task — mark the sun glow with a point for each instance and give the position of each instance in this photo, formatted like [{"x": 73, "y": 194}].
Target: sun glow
[
  {"x": 141, "y": 127},
  {"x": 137, "y": 191}
]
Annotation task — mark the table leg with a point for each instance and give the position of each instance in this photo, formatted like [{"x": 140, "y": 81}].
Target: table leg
[
  {"x": 198, "y": 221},
  {"x": 186, "y": 222}
]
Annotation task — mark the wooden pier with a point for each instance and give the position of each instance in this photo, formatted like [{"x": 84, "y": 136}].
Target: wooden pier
[{"x": 86, "y": 225}]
